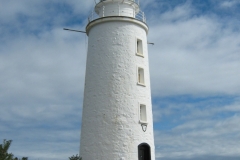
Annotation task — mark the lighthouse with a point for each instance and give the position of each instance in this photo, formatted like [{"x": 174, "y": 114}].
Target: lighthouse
[{"x": 117, "y": 122}]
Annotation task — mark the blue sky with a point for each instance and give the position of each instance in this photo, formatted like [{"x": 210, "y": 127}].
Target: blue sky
[{"x": 194, "y": 67}]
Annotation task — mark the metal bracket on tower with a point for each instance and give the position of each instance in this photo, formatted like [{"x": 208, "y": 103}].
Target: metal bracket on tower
[
  {"x": 144, "y": 127},
  {"x": 151, "y": 43},
  {"x": 73, "y": 30}
]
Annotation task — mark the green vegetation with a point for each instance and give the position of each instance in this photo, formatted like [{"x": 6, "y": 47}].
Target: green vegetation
[
  {"x": 4, "y": 155},
  {"x": 77, "y": 157}
]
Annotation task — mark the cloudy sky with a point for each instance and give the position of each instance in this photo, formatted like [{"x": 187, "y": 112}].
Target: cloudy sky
[{"x": 194, "y": 66}]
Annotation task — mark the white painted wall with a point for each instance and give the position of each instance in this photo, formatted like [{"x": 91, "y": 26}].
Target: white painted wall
[{"x": 110, "y": 121}]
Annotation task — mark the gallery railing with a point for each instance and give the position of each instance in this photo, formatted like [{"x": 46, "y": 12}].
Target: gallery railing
[{"x": 139, "y": 16}]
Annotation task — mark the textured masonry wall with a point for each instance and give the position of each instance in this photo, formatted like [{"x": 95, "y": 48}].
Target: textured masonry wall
[{"x": 110, "y": 121}]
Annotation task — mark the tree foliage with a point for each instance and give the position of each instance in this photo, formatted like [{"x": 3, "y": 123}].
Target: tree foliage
[
  {"x": 24, "y": 158},
  {"x": 77, "y": 157},
  {"x": 4, "y": 155}
]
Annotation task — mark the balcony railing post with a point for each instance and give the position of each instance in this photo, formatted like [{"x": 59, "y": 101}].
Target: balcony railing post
[
  {"x": 103, "y": 10},
  {"x": 119, "y": 9},
  {"x": 134, "y": 11}
]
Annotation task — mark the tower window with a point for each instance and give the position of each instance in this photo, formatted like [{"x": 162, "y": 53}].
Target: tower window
[
  {"x": 142, "y": 113},
  {"x": 140, "y": 73},
  {"x": 139, "y": 47}
]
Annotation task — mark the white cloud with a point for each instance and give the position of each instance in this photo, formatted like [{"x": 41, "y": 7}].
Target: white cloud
[
  {"x": 229, "y": 3},
  {"x": 200, "y": 137},
  {"x": 206, "y": 127},
  {"x": 42, "y": 77},
  {"x": 194, "y": 55},
  {"x": 48, "y": 144},
  {"x": 36, "y": 8}
]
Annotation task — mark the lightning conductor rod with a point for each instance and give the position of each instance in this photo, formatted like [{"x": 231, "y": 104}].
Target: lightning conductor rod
[{"x": 73, "y": 30}]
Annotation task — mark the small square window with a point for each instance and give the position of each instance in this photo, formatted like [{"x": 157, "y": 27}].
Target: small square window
[
  {"x": 142, "y": 113},
  {"x": 139, "y": 48},
  {"x": 140, "y": 76}
]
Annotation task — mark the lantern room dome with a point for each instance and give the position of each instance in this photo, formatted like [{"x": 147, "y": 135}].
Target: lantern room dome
[{"x": 117, "y": 8}]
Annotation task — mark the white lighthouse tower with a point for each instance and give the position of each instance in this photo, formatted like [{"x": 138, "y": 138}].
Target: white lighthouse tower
[{"x": 117, "y": 121}]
